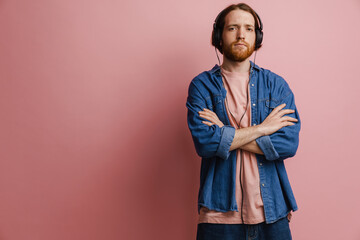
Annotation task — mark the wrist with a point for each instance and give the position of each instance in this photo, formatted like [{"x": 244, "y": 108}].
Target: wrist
[{"x": 260, "y": 130}]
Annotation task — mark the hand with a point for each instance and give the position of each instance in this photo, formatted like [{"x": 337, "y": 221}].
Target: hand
[
  {"x": 289, "y": 217},
  {"x": 277, "y": 120},
  {"x": 210, "y": 116}
]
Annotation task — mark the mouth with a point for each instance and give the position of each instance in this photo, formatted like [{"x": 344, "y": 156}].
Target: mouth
[{"x": 240, "y": 44}]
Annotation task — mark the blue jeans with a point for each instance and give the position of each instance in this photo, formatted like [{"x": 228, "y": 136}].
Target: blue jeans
[{"x": 279, "y": 230}]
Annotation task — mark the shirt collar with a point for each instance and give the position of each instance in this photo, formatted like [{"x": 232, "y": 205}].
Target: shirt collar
[{"x": 216, "y": 68}]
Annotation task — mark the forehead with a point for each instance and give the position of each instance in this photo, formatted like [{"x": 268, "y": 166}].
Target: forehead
[{"x": 239, "y": 16}]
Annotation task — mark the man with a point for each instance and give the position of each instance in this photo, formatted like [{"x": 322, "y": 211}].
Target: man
[{"x": 244, "y": 124}]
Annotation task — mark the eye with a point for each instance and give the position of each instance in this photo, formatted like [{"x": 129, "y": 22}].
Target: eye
[
  {"x": 231, "y": 28},
  {"x": 250, "y": 29}
]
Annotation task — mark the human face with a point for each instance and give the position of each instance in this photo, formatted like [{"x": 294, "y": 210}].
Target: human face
[{"x": 238, "y": 38}]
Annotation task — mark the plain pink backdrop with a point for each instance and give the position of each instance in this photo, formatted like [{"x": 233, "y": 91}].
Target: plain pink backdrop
[{"x": 93, "y": 136}]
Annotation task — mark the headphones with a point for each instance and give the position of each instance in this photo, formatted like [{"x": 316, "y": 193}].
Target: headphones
[{"x": 217, "y": 32}]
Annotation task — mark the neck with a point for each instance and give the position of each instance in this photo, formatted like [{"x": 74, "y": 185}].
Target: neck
[{"x": 233, "y": 66}]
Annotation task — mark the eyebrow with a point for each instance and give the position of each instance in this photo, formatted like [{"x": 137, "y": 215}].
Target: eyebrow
[{"x": 237, "y": 25}]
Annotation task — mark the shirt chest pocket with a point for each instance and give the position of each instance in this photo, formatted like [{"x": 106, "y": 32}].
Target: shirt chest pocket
[
  {"x": 270, "y": 104},
  {"x": 214, "y": 103}
]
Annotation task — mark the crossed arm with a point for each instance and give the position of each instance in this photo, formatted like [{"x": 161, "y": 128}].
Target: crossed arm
[{"x": 245, "y": 137}]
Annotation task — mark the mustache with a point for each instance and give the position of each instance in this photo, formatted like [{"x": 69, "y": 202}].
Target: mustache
[{"x": 240, "y": 42}]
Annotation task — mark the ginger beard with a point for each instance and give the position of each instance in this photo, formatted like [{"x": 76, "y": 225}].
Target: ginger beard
[{"x": 236, "y": 53}]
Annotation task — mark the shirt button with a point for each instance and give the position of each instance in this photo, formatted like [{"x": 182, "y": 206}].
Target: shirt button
[
  {"x": 263, "y": 185},
  {"x": 254, "y": 104},
  {"x": 254, "y": 124},
  {"x": 260, "y": 164},
  {"x": 252, "y": 85}
]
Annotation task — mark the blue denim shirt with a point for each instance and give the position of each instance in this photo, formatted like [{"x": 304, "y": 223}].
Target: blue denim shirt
[{"x": 218, "y": 165}]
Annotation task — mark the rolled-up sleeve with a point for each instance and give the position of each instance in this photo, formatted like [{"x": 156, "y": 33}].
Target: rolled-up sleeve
[
  {"x": 267, "y": 148},
  {"x": 227, "y": 136},
  {"x": 209, "y": 141}
]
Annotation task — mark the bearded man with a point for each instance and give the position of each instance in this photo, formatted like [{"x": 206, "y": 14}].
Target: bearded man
[{"x": 244, "y": 124}]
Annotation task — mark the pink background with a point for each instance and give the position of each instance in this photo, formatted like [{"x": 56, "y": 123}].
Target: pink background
[{"x": 93, "y": 136}]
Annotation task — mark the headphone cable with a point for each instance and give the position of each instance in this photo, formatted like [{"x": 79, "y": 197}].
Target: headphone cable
[
  {"x": 238, "y": 125},
  {"x": 217, "y": 56}
]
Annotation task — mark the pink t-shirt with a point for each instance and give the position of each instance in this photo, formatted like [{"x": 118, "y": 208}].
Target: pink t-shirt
[{"x": 236, "y": 85}]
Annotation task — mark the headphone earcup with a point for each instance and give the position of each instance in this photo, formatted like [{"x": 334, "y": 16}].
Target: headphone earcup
[
  {"x": 216, "y": 40},
  {"x": 259, "y": 38},
  {"x": 213, "y": 40}
]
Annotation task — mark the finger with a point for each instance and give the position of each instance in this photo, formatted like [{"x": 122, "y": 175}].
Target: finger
[
  {"x": 207, "y": 117},
  {"x": 208, "y": 123},
  {"x": 205, "y": 110},
  {"x": 212, "y": 119},
  {"x": 285, "y": 124},
  {"x": 281, "y": 106},
  {"x": 207, "y": 114},
  {"x": 204, "y": 113},
  {"x": 277, "y": 109},
  {"x": 285, "y": 111},
  {"x": 289, "y": 119},
  {"x": 210, "y": 112}
]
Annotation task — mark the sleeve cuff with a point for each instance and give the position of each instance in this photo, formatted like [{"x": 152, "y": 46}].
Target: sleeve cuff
[
  {"x": 227, "y": 136},
  {"x": 267, "y": 147}
]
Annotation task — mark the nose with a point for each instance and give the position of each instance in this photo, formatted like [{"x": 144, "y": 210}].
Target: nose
[{"x": 240, "y": 34}]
